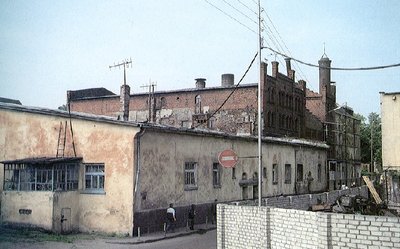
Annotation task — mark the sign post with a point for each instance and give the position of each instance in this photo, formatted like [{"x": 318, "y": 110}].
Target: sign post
[{"x": 228, "y": 158}]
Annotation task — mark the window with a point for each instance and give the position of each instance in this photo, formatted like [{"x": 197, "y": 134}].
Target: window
[
  {"x": 299, "y": 172},
  {"x": 41, "y": 177},
  {"x": 319, "y": 172},
  {"x": 288, "y": 173},
  {"x": 190, "y": 175},
  {"x": 275, "y": 173},
  {"x": 94, "y": 177},
  {"x": 197, "y": 104},
  {"x": 265, "y": 172},
  {"x": 233, "y": 173},
  {"x": 216, "y": 175}
]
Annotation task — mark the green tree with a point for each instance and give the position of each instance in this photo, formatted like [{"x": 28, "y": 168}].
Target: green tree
[{"x": 371, "y": 131}]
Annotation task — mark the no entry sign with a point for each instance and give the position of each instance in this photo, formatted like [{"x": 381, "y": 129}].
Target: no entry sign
[{"x": 228, "y": 158}]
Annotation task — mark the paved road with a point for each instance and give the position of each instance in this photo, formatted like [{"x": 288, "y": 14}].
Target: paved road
[{"x": 195, "y": 241}]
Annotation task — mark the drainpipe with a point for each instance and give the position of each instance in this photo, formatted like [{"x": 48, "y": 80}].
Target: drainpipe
[{"x": 136, "y": 141}]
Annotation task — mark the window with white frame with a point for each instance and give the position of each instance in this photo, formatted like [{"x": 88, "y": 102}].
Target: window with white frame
[
  {"x": 94, "y": 177},
  {"x": 190, "y": 175},
  {"x": 275, "y": 173},
  {"x": 216, "y": 175}
]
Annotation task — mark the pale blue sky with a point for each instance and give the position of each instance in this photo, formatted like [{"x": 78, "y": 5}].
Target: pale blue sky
[{"x": 49, "y": 47}]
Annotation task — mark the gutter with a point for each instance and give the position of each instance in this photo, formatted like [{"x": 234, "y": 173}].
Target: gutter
[{"x": 136, "y": 188}]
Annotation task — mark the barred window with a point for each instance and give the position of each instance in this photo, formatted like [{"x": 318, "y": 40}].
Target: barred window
[
  {"x": 275, "y": 173},
  {"x": 190, "y": 175},
  {"x": 288, "y": 173},
  {"x": 94, "y": 177},
  {"x": 41, "y": 177}
]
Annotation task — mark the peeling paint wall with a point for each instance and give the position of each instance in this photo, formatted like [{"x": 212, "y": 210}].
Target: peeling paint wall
[{"x": 27, "y": 134}]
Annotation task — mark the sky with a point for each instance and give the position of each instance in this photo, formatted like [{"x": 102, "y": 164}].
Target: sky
[{"x": 50, "y": 47}]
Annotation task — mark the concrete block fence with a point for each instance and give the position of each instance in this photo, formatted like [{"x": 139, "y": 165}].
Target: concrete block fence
[
  {"x": 248, "y": 226},
  {"x": 267, "y": 227}
]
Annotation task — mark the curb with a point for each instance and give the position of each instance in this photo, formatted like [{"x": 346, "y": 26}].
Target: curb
[{"x": 199, "y": 231}]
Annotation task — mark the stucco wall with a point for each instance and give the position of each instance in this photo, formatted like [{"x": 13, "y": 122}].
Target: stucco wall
[
  {"x": 162, "y": 162},
  {"x": 390, "y": 118},
  {"x": 28, "y": 208},
  {"x": 162, "y": 168},
  {"x": 28, "y": 133}
]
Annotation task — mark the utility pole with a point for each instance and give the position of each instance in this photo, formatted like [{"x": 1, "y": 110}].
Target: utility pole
[
  {"x": 125, "y": 64},
  {"x": 152, "y": 101},
  {"x": 259, "y": 109}
]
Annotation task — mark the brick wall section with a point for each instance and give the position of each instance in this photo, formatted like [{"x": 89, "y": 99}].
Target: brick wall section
[{"x": 267, "y": 227}]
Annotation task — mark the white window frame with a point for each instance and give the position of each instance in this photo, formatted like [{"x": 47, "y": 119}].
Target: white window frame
[{"x": 97, "y": 177}]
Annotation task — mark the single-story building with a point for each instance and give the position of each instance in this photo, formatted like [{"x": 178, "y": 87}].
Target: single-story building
[{"x": 79, "y": 172}]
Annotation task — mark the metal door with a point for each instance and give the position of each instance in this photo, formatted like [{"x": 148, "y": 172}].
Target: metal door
[{"x": 65, "y": 220}]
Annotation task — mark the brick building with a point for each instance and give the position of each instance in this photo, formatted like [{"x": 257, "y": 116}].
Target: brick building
[
  {"x": 284, "y": 105},
  {"x": 290, "y": 109}
]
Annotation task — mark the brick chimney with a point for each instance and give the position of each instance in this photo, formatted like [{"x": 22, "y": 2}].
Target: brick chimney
[
  {"x": 275, "y": 69},
  {"x": 290, "y": 72},
  {"x": 124, "y": 102}
]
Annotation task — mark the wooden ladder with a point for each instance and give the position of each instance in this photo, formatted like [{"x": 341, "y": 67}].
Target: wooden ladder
[{"x": 62, "y": 136}]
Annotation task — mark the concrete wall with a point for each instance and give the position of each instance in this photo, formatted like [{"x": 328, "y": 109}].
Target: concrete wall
[
  {"x": 390, "y": 118},
  {"x": 33, "y": 132},
  {"x": 267, "y": 227}
]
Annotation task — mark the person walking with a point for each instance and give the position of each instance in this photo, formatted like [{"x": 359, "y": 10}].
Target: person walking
[
  {"x": 191, "y": 215},
  {"x": 171, "y": 218}
]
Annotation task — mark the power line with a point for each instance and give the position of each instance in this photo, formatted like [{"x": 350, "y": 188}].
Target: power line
[
  {"x": 239, "y": 11},
  {"x": 233, "y": 18},
  {"x": 336, "y": 68},
  {"x": 233, "y": 91},
  {"x": 284, "y": 44}
]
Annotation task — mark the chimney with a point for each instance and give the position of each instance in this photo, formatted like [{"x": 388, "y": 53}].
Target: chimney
[
  {"x": 124, "y": 102},
  {"x": 288, "y": 66},
  {"x": 227, "y": 79},
  {"x": 200, "y": 83},
  {"x": 290, "y": 72},
  {"x": 275, "y": 69}
]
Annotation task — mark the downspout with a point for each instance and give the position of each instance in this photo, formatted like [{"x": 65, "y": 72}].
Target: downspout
[{"x": 136, "y": 188}]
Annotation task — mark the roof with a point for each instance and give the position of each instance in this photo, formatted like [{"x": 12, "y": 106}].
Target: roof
[
  {"x": 89, "y": 93},
  {"x": 11, "y": 101},
  {"x": 43, "y": 160},
  {"x": 159, "y": 127}
]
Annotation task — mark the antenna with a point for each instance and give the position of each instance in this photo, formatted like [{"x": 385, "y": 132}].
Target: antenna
[{"x": 125, "y": 64}]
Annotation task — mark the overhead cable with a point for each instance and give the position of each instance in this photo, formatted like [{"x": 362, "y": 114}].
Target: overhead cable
[
  {"x": 234, "y": 89},
  {"x": 335, "y": 68},
  {"x": 233, "y": 18}
]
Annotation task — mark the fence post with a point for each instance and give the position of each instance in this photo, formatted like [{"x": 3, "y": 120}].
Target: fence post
[
  {"x": 165, "y": 229},
  {"x": 206, "y": 221},
  {"x": 138, "y": 233}
]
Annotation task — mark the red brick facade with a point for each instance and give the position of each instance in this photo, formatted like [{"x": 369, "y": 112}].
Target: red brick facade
[{"x": 284, "y": 107}]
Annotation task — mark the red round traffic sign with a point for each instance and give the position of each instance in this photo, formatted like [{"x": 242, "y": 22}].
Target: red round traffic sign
[{"x": 228, "y": 158}]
